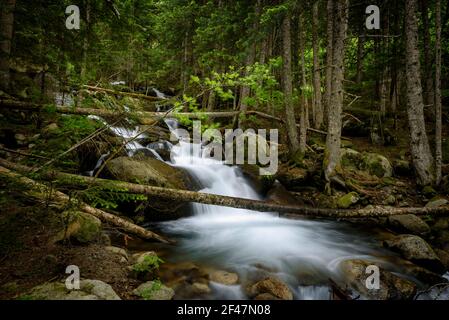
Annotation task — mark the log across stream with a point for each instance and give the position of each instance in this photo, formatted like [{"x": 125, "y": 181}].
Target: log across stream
[{"x": 302, "y": 253}]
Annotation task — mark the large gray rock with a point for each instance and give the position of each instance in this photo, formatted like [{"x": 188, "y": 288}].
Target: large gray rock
[
  {"x": 154, "y": 290},
  {"x": 377, "y": 165},
  {"x": 89, "y": 290},
  {"x": 223, "y": 277},
  {"x": 348, "y": 200},
  {"x": 79, "y": 226},
  {"x": 435, "y": 203},
  {"x": 272, "y": 286},
  {"x": 373, "y": 163},
  {"x": 292, "y": 177},
  {"x": 278, "y": 194},
  {"x": 409, "y": 223},
  {"x": 417, "y": 250},
  {"x": 149, "y": 171},
  {"x": 391, "y": 286}
]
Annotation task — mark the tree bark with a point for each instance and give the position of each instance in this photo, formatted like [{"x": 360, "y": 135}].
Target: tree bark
[
  {"x": 145, "y": 118},
  {"x": 121, "y": 93},
  {"x": 250, "y": 59},
  {"x": 427, "y": 70},
  {"x": 329, "y": 53},
  {"x": 226, "y": 201},
  {"x": 6, "y": 35},
  {"x": 360, "y": 56},
  {"x": 302, "y": 85},
  {"x": 438, "y": 109},
  {"x": 332, "y": 155},
  {"x": 86, "y": 40},
  {"x": 100, "y": 214},
  {"x": 318, "y": 105},
  {"x": 287, "y": 83},
  {"x": 419, "y": 143}
]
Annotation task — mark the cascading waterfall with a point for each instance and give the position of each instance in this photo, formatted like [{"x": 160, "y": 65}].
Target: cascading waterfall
[
  {"x": 243, "y": 240},
  {"x": 303, "y": 253}
]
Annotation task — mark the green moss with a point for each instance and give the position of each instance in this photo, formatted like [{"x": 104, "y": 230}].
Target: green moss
[
  {"x": 90, "y": 228},
  {"x": 348, "y": 200},
  {"x": 148, "y": 293},
  {"x": 428, "y": 191},
  {"x": 150, "y": 263}
]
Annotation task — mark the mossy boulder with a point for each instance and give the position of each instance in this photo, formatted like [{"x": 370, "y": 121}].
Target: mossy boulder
[
  {"x": 270, "y": 285},
  {"x": 79, "y": 226},
  {"x": 350, "y": 158},
  {"x": 145, "y": 266},
  {"x": 416, "y": 250},
  {"x": 89, "y": 290},
  {"x": 429, "y": 191},
  {"x": 391, "y": 286},
  {"x": 261, "y": 183},
  {"x": 292, "y": 177},
  {"x": 438, "y": 202},
  {"x": 154, "y": 290},
  {"x": 377, "y": 165},
  {"x": 373, "y": 163},
  {"x": 409, "y": 223},
  {"x": 348, "y": 200},
  {"x": 402, "y": 167},
  {"x": 149, "y": 171}
]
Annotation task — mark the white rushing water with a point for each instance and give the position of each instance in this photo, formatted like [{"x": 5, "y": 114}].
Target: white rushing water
[
  {"x": 297, "y": 251},
  {"x": 303, "y": 253}
]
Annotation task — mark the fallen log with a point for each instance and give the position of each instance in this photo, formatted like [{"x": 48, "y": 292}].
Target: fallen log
[
  {"x": 122, "y": 93},
  {"x": 145, "y": 117},
  {"x": 100, "y": 214},
  {"x": 234, "y": 202}
]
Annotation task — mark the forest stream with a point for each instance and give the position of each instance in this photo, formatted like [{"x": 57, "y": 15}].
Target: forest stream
[{"x": 303, "y": 253}]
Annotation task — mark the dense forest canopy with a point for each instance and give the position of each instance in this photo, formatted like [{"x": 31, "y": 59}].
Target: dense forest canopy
[{"x": 93, "y": 91}]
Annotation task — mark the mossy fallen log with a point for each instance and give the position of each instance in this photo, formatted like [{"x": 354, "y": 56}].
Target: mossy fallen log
[
  {"x": 234, "y": 202},
  {"x": 58, "y": 196},
  {"x": 143, "y": 117}
]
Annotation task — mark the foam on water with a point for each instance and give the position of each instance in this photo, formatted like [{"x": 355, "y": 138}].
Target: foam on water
[{"x": 240, "y": 239}]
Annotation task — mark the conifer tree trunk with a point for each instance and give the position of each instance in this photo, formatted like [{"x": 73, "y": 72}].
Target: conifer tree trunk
[
  {"x": 419, "y": 143},
  {"x": 318, "y": 105},
  {"x": 438, "y": 111},
  {"x": 250, "y": 59},
  {"x": 329, "y": 53},
  {"x": 287, "y": 83},
  {"x": 427, "y": 67},
  {"x": 303, "y": 123},
  {"x": 6, "y": 34},
  {"x": 332, "y": 155}
]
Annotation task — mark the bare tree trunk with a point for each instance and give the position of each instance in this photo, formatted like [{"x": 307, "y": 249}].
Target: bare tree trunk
[
  {"x": 287, "y": 84},
  {"x": 250, "y": 59},
  {"x": 86, "y": 41},
  {"x": 360, "y": 55},
  {"x": 318, "y": 105},
  {"x": 438, "y": 111},
  {"x": 332, "y": 155},
  {"x": 427, "y": 70},
  {"x": 211, "y": 101},
  {"x": 6, "y": 34},
  {"x": 419, "y": 143},
  {"x": 329, "y": 53},
  {"x": 302, "y": 84}
]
